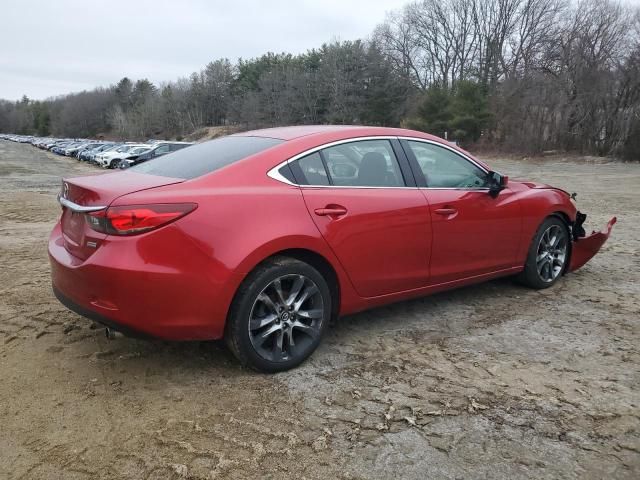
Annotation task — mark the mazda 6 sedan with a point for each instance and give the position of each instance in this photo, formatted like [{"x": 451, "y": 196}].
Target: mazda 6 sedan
[{"x": 263, "y": 237}]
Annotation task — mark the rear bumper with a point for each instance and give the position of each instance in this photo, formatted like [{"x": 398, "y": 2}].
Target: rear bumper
[
  {"x": 98, "y": 317},
  {"x": 156, "y": 285},
  {"x": 585, "y": 248}
]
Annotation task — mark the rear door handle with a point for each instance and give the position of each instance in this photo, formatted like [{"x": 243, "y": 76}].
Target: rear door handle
[
  {"x": 446, "y": 211},
  {"x": 331, "y": 211}
]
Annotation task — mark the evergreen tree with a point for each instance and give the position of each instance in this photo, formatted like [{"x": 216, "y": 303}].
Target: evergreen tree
[
  {"x": 123, "y": 92},
  {"x": 460, "y": 113}
]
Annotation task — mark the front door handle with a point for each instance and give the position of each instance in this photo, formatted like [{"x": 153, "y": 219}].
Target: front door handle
[
  {"x": 331, "y": 211},
  {"x": 446, "y": 211}
]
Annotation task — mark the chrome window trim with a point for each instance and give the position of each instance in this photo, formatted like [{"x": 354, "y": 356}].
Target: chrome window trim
[
  {"x": 276, "y": 175},
  {"x": 74, "y": 207}
]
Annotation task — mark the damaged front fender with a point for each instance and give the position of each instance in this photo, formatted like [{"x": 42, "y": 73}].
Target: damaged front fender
[{"x": 584, "y": 248}]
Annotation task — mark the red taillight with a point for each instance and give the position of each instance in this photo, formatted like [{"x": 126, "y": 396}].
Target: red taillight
[{"x": 134, "y": 219}]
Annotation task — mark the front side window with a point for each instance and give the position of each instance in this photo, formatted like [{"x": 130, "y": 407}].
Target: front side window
[
  {"x": 361, "y": 163},
  {"x": 443, "y": 168}
]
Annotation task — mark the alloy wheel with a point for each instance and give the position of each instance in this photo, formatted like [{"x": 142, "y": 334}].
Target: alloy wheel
[
  {"x": 286, "y": 318},
  {"x": 552, "y": 253}
]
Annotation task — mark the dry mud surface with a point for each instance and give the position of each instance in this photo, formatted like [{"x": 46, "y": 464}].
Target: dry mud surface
[{"x": 490, "y": 381}]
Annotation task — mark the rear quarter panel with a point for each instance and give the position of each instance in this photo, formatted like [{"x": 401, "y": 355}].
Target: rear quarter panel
[{"x": 237, "y": 227}]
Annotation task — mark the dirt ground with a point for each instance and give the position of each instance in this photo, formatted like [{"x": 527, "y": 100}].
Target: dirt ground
[{"x": 489, "y": 381}]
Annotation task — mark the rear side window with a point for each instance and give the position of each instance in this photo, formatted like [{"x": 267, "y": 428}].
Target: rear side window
[
  {"x": 207, "y": 157},
  {"x": 310, "y": 170}
]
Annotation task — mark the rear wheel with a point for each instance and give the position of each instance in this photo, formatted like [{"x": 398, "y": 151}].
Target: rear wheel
[
  {"x": 548, "y": 254},
  {"x": 279, "y": 315}
]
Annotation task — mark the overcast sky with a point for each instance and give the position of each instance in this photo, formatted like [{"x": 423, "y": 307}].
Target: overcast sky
[{"x": 51, "y": 47}]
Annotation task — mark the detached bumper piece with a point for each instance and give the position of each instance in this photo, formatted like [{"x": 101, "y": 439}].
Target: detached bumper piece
[{"x": 585, "y": 247}]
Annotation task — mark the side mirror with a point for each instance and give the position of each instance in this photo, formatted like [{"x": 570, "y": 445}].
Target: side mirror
[{"x": 497, "y": 183}]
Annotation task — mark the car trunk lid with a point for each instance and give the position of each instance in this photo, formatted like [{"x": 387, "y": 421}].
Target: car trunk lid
[{"x": 81, "y": 196}]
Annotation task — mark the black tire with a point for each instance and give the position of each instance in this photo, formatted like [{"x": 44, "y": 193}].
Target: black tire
[
  {"x": 531, "y": 276},
  {"x": 241, "y": 335}
]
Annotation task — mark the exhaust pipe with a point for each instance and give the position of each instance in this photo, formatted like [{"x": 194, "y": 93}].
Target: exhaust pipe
[{"x": 112, "y": 334}]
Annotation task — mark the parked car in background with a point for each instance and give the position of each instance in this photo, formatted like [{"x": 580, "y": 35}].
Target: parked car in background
[
  {"x": 60, "y": 146},
  {"x": 84, "y": 154},
  {"x": 263, "y": 237},
  {"x": 91, "y": 157},
  {"x": 49, "y": 145},
  {"x": 107, "y": 154},
  {"x": 86, "y": 149},
  {"x": 157, "y": 149},
  {"x": 72, "y": 149},
  {"x": 111, "y": 158},
  {"x": 132, "y": 154}
]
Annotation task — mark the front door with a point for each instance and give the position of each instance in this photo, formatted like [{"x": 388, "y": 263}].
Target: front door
[{"x": 473, "y": 232}]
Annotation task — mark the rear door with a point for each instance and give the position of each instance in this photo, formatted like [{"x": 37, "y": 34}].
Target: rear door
[
  {"x": 473, "y": 232},
  {"x": 363, "y": 199}
]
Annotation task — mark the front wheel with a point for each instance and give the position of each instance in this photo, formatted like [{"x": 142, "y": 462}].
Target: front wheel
[
  {"x": 278, "y": 315},
  {"x": 548, "y": 254}
]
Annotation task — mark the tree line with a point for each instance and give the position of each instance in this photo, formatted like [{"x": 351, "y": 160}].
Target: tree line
[{"x": 526, "y": 75}]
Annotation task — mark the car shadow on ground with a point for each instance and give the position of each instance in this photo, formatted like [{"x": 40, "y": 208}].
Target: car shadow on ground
[{"x": 432, "y": 318}]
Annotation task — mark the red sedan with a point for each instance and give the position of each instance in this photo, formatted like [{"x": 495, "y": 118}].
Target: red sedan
[{"x": 263, "y": 237}]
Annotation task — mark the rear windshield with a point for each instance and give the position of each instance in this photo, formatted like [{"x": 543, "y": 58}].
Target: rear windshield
[{"x": 203, "y": 158}]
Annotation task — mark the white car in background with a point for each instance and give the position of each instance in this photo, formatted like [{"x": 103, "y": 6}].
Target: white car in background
[{"x": 111, "y": 158}]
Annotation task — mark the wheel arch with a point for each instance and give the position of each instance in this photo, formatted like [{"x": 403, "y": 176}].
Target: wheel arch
[
  {"x": 564, "y": 217},
  {"x": 325, "y": 268},
  {"x": 317, "y": 261}
]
